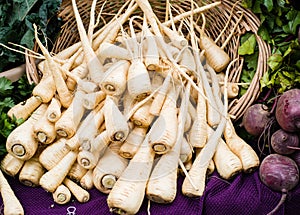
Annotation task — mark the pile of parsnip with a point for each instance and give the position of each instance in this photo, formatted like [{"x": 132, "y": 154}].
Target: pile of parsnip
[{"x": 126, "y": 110}]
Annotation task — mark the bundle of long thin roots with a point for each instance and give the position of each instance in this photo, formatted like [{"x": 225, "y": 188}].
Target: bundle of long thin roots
[{"x": 127, "y": 109}]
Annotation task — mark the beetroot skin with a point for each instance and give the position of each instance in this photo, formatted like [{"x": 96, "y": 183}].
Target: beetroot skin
[
  {"x": 288, "y": 110},
  {"x": 279, "y": 172},
  {"x": 296, "y": 157},
  {"x": 255, "y": 119},
  {"x": 282, "y": 140}
]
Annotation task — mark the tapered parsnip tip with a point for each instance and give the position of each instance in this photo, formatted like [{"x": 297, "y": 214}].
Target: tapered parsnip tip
[{"x": 12, "y": 205}]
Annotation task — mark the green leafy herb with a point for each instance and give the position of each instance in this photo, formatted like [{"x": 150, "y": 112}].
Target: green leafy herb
[
  {"x": 5, "y": 87},
  {"x": 10, "y": 95},
  {"x": 16, "y": 20},
  {"x": 279, "y": 23},
  {"x": 248, "y": 44},
  {"x": 249, "y": 50}
]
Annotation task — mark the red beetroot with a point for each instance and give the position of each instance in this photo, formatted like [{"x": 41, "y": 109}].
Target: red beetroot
[
  {"x": 288, "y": 110},
  {"x": 284, "y": 142},
  {"x": 256, "y": 118},
  {"x": 296, "y": 157},
  {"x": 279, "y": 173}
]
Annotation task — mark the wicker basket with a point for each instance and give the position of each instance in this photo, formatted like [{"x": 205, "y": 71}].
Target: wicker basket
[{"x": 216, "y": 19}]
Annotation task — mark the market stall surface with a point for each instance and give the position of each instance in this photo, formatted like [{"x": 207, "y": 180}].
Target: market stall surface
[{"x": 244, "y": 194}]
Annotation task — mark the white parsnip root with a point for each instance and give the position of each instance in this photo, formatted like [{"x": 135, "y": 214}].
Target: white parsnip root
[
  {"x": 127, "y": 108},
  {"x": 12, "y": 205}
]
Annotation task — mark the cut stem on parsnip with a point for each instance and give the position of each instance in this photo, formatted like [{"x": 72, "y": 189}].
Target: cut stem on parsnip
[
  {"x": 68, "y": 123},
  {"x": 115, "y": 121},
  {"x": 142, "y": 116},
  {"x": 53, "y": 112},
  {"x": 31, "y": 172},
  {"x": 163, "y": 135},
  {"x": 162, "y": 184},
  {"x": 62, "y": 195},
  {"x": 21, "y": 142},
  {"x": 105, "y": 174},
  {"x": 114, "y": 80},
  {"x": 44, "y": 130}
]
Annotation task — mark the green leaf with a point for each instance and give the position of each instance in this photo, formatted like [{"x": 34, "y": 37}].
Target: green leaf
[
  {"x": 16, "y": 19},
  {"x": 24, "y": 88},
  {"x": 278, "y": 21},
  {"x": 265, "y": 80},
  {"x": 5, "y": 86},
  {"x": 246, "y": 77},
  {"x": 248, "y": 46},
  {"x": 284, "y": 82},
  {"x": 251, "y": 61},
  {"x": 247, "y": 3},
  {"x": 6, "y": 126},
  {"x": 6, "y": 104},
  {"x": 27, "y": 39},
  {"x": 293, "y": 17},
  {"x": 256, "y": 8},
  {"x": 264, "y": 33},
  {"x": 289, "y": 75},
  {"x": 275, "y": 61},
  {"x": 297, "y": 64},
  {"x": 268, "y": 4},
  {"x": 281, "y": 3},
  {"x": 288, "y": 51},
  {"x": 22, "y": 8}
]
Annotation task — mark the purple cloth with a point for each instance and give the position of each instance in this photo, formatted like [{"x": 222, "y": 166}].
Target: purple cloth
[{"x": 245, "y": 195}]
